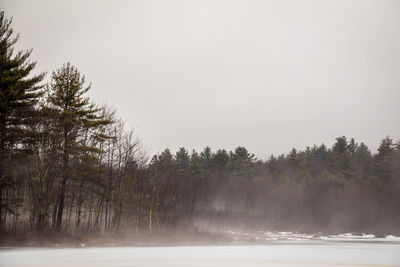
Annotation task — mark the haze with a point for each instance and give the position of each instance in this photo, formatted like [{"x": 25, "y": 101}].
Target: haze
[{"x": 268, "y": 75}]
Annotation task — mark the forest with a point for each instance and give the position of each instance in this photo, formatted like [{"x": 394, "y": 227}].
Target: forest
[{"x": 70, "y": 165}]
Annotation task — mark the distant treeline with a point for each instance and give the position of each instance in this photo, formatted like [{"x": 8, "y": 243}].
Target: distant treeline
[
  {"x": 342, "y": 188},
  {"x": 67, "y": 164}
]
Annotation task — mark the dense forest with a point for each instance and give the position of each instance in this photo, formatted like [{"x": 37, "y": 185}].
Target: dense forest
[{"x": 69, "y": 165}]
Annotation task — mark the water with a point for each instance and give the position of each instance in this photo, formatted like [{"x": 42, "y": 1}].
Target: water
[{"x": 276, "y": 253}]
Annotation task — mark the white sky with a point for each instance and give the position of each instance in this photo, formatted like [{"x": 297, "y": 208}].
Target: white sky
[{"x": 267, "y": 75}]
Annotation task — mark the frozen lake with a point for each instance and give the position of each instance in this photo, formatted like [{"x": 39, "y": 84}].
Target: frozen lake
[{"x": 276, "y": 253}]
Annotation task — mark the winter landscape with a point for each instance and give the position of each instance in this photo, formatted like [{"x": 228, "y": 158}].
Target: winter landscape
[{"x": 199, "y": 133}]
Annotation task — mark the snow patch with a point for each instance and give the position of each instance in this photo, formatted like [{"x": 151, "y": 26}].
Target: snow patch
[{"x": 294, "y": 236}]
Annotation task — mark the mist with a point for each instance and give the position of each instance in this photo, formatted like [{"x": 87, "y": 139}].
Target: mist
[{"x": 212, "y": 133}]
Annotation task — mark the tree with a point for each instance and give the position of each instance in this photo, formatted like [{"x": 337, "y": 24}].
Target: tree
[
  {"x": 220, "y": 160},
  {"x": 342, "y": 156},
  {"x": 242, "y": 162},
  {"x": 41, "y": 166},
  {"x": 19, "y": 92},
  {"x": 182, "y": 159},
  {"x": 383, "y": 159},
  {"x": 362, "y": 158},
  {"x": 66, "y": 92}
]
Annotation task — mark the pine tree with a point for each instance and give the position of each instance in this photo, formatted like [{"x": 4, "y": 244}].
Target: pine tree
[
  {"x": 66, "y": 92},
  {"x": 363, "y": 160},
  {"x": 182, "y": 158},
  {"x": 342, "y": 157},
  {"x": 383, "y": 160},
  {"x": 19, "y": 92},
  {"x": 220, "y": 160},
  {"x": 242, "y": 162}
]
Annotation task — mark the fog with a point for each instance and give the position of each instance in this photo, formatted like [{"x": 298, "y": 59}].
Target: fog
[{"x": 211, "y": 133}]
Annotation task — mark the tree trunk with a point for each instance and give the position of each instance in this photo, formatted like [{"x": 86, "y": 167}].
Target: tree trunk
[
  {"x": 63, "y": 181},
  {"x": 61, "y": 203}
]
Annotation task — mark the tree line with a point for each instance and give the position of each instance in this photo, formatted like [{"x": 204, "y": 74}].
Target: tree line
[
  {"x": 70, "y": 165},
  {"x": 342, "y": 188}
]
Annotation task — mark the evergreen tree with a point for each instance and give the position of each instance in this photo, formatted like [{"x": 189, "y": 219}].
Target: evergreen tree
[
  {"x": 242, "y": 162},
  {"x": 340, "y": 145},
  {"x": 293, "y": 157},
  {"x": 220, "y": 160},
  {"x": 383, "y": 159},
  {"x": 19, "y": 92},
  {"x": 77, "y": 115},
  {"x": 182, "y": 159},
  {"x": 206, "y": 155},
  {"x": 362, "y": 161},
  {"x": 352, "y": 146},
  {"x": 342, "y": 157}
]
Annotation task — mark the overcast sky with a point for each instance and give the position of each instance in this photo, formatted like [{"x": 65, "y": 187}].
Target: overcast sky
[{"x": 267, "y": 75}]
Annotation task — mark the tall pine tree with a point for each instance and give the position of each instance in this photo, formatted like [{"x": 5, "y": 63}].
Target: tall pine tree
[
  {"x": 66, "y": 92},
  {"x": 19, "y": 92}
]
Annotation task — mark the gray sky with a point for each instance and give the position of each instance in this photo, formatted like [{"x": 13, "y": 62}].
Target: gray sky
[{"x": 268, "y": 75}]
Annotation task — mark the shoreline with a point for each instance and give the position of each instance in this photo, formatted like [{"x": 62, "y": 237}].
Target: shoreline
[{"x": 178, "y": 238}]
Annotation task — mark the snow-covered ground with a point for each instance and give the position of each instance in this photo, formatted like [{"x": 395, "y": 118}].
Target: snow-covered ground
[
  {"x": 293, "y": 236},
  {"x": 305, "y": 250}
]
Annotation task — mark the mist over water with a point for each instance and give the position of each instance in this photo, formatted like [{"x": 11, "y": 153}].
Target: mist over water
[{"x": 278, "y": 98}]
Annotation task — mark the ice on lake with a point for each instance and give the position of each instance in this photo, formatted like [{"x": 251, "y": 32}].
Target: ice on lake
[{"x": 343, "y": 250}]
